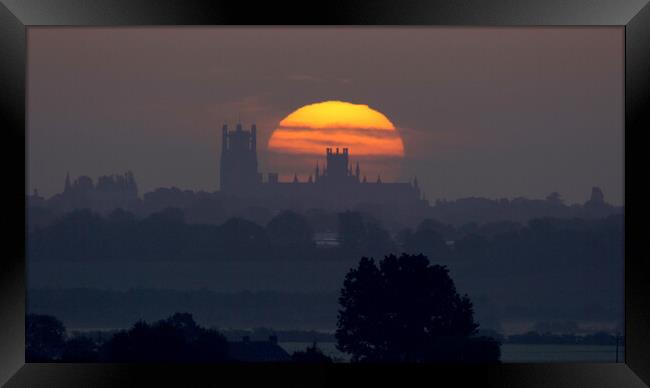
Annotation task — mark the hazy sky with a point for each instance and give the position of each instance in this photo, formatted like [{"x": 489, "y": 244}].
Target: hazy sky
[{"x": 493, "y": 112}]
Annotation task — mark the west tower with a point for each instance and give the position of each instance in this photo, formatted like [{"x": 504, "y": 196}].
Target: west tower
[{"x": 239, "y": 160}]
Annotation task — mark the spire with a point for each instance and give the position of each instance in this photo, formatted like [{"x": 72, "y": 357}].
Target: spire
[
  {"x": 67, "y": 182},
  {"x": 253, "y": 137},
  {"x": 224, "y": 137},
  {"x": 378, "y": 178},
  {"x": 364, "y": 179},
  {"x": 357, "y": 170},
  {"x": 295, "y": 178}
]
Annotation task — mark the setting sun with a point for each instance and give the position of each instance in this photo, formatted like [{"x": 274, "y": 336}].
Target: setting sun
[{"x": 312, "y": 128}]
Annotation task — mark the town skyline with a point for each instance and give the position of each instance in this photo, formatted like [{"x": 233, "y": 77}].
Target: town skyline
[{"x": 493, "y": 113}]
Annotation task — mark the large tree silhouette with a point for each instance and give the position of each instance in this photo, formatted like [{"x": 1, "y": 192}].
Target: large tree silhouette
[
  {"x": 44, "y": 338},
  {"x": 406, "y": 310},
  {"x": 175, "y": 339}
]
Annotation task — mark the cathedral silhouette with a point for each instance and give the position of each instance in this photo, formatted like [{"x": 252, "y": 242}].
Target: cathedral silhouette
[{"x": 337, "y": 185}]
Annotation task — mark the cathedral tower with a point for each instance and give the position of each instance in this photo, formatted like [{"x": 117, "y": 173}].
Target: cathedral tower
[{"x": 239, "y": 160}]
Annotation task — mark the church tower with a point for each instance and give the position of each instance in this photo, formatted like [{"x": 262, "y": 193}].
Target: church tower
[
  {"x": 338, "y": 171},
  {"x": 337, "y": 164},
  {"x": 239, "y": 160}
]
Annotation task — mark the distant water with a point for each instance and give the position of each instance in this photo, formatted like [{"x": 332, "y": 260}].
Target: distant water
[
  {"x": 560, "y": 353},
  {"x": 514, "y": 353}
]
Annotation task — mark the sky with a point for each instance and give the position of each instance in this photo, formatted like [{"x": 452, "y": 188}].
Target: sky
[{"x": 489, "y": 112}]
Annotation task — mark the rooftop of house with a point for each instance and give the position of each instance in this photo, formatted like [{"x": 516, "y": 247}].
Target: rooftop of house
[{"x": 258, "y": 351}]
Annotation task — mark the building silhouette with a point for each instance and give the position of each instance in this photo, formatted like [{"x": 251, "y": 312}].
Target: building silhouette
[
  {"x": 110, "y": 192},
  {"x": 257, "y": 351},
  {"x": 239, "y": 160},
  {"x": 337, "y": 185}
]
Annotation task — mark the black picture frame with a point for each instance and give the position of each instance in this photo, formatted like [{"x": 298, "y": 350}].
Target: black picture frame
[{"x": 17, "y": 15}]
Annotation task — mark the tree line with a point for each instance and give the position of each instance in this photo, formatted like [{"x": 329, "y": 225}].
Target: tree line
[{"x": 82, "y": 235}]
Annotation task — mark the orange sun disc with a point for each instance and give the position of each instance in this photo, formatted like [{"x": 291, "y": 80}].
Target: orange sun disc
[{"x": 361, "y": 129}]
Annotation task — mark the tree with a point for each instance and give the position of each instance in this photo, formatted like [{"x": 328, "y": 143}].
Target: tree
[
  {"x": 427, "y": 239},
  {"x": 240, "y": 237},
  {"x": 209, "y": 346},
  {"x": 406, "y": 310},
  {"x": 146, "y": 343},
  {"x": 289, "y": 230},
  {"x": 44, "y": 338},
  {"x": 175, "y": 339},
  {"x": 351, "y": 229},
  {"x": 363, "y": 233},
  {"x": 471, "y": 247},
  {"x": 376, "y": 240},
  {"x": 162, "y": 234}
]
